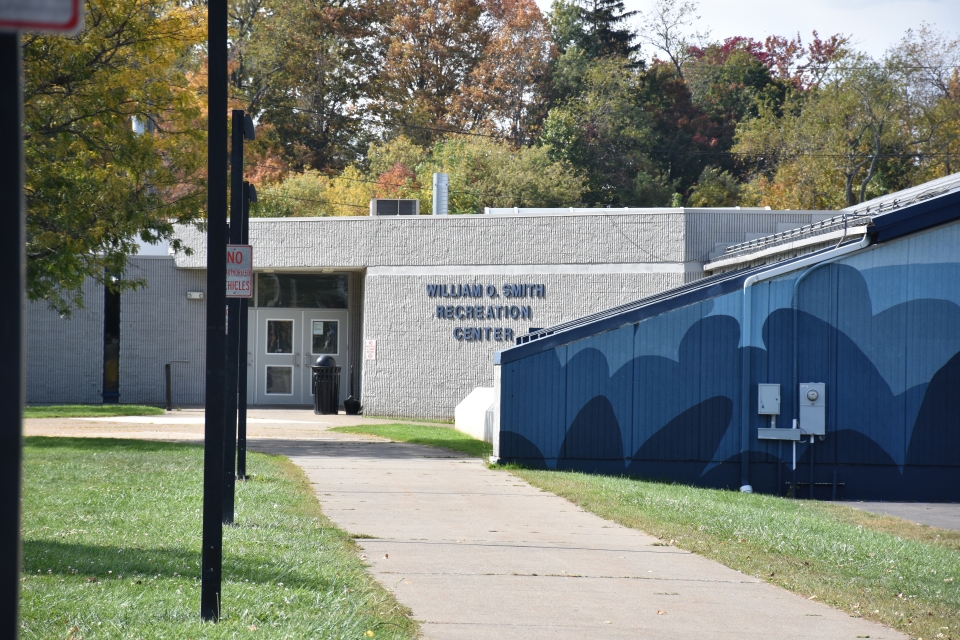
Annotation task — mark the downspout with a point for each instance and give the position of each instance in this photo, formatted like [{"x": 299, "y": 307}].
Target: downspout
[{"x": 813, "y": 262}]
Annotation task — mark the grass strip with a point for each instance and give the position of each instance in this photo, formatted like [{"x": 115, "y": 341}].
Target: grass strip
[
  {"x": 90, "y": 410},
  {"x": 442, "y": 437},
  {"x": 877, "y": 567},
  {"x": 111, "y": 549}
]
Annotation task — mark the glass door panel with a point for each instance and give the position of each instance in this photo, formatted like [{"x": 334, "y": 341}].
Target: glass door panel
[
  {"x": 325, "y": 334},
  {"x": 278, "y": 364}
]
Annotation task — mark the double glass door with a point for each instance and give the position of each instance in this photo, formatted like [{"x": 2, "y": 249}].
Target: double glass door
[{"x": 286, "y": 342}]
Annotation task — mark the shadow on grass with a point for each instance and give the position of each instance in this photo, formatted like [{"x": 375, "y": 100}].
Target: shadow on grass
[
  {"x": 352, "y": 449},
  {"x": 103, "y": 444},
  {"x": 440, "y": 437},
  {"x": 82, "y": 560}
]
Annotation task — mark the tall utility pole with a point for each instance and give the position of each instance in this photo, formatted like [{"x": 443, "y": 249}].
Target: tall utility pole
[
  {"x": 236, "y": 316},
  {"x": 212, "y": 553},
  {"x": 233, "y": 322},
  {"x": 12, "y": 273},
  {"x": 249, "y": 195}
]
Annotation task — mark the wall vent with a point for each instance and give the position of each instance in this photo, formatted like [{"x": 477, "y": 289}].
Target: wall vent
[{"x": 394, "y": 207}]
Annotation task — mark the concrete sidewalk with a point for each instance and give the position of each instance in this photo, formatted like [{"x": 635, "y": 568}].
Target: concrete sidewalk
[
  {"x": 478, "y": 553},
  {"x": 933, "y": 514}
]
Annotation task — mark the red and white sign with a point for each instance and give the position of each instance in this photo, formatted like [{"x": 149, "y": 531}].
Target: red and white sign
[
  {"x": 41, "y": 16},
  {"x": 239, "y": 271},
  {"x": 369, "y": 349}
]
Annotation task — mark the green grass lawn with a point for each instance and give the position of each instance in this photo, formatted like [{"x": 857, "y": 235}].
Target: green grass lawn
[
  {"x": 878, "y": 567},
  {"x": 442, "y": 437},
  {"x": 111, "y": 549},
  {"x": 90, "y": 411}
]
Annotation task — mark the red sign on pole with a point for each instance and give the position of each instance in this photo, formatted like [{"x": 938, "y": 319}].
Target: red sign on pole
[
  {"x": 41, "y": 16},
  {"x": 239, "y": 271}
]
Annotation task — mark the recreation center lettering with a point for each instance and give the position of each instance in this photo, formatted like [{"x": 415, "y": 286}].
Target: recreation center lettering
[{"x": 485, "y": 311}]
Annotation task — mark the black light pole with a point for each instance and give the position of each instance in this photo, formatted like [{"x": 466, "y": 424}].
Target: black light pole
[
  {"x": 233, "y": 322},
  {"x": 12, "y": 272},
  {"x": 212, "y": 553},
  {"x": 249, "y": 195}
]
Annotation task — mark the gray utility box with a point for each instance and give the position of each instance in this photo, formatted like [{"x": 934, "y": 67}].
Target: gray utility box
[
  {"x": 768, "y": 399},
  {"x": 768, "y": 404},
  {"x": 813, "y": 408}
]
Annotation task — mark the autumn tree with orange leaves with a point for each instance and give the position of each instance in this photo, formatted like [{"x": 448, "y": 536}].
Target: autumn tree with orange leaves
[{"x": 506, "y": 93}]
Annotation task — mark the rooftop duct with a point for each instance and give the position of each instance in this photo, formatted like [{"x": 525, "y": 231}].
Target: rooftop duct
[
  {"x": 394, "y": 207},
  {"x": 441, "y": 194}
]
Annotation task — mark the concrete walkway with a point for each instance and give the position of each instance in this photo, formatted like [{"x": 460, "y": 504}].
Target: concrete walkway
[
  {"x": 478, "y": 553},
  {"x": 934, "y": 514}
]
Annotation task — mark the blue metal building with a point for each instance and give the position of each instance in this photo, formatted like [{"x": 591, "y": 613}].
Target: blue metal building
[{"x": 667, "y": 387}]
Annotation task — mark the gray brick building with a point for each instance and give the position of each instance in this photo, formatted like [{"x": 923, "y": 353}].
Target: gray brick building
[{"x": 413, "y": 307}]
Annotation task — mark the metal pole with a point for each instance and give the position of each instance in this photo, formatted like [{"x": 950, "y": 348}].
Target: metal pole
[
  {"x": 12, "y": 270},
  {"x": 242, "y": 349},
  {"x": 166, "y": 373},
  {"x": 233, "y": 324},
  {"x": 212, "y": 552}
]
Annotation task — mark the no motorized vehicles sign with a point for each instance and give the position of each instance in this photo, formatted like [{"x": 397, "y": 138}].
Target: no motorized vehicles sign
[{"x": 239, "y": 271}]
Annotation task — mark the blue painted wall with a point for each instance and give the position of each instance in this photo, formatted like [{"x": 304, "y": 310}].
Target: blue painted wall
[{"x": 663, "y": 397}]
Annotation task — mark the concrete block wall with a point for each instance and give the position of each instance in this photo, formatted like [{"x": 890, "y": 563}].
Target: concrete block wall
[
  {"x": 65, "y": 354},
  {"x": 422, "y": 371},
  {"x": 159, "y": 324},
  {"x": 311, "y": 243}
]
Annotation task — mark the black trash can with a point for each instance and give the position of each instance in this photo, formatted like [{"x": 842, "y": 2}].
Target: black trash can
[{"x": 326, "y": 386}]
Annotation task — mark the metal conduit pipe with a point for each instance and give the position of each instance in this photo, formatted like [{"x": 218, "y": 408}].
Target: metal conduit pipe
[{"x": 814, "y": 261}]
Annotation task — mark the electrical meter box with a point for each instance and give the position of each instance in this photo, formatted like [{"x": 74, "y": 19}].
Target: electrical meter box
[
  {"x": 813, "y": 408},
  {"x": 768, "y": 399}
]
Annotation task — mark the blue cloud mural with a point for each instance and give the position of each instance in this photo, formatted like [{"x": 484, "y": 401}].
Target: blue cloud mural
[{"x": 893, "y": 381}]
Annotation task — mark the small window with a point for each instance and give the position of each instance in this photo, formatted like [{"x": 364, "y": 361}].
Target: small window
[
  {"x": 280, "y": 381},
  {"x": 301, "y": 291},
  {"x": 279, "y": 336},
  {"x": 325, "y": 337}
]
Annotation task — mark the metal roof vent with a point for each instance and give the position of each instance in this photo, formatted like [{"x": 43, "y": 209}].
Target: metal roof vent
[
  {"x": 441, "y": 194},
  {"x": 394, "y": 207}
]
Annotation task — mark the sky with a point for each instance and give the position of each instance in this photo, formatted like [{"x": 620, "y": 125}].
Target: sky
[{"x": 875, "y": 25}]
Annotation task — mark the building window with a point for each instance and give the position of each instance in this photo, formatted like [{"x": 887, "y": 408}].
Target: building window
[
  {"x": 279, "y": 336},
  {"x": 280, "y": 381},
  {"x": 325, "y": 337},
  {"x": 301, "y": 291}
]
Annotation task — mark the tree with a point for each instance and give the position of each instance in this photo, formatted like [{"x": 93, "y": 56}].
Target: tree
[
  {"x": 306, "y": 76},
  {"x": 825, "y": 151},
  {"x": 929, "y": 63},
  {"x": 483, "y": 172},
  {"x": 94, "y": 185},
  {"x": 597, "y": 27},
  {"x": 428, "y": 50},
  {"x": 665, "y": 28},
  {"x": 602, "y": 128},
  {"x": 298, "y": 195},
  {"x": 715, "y": 188},
  {"x": 686, "y": 138},
  {"x": 506, "y": 92},
  {"x": 604, "y": 25},
  {"x": 487, "y": 173}
]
